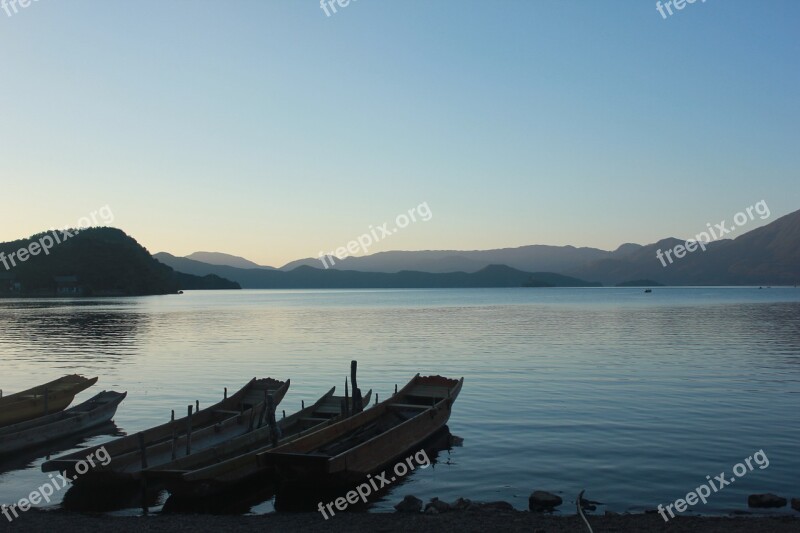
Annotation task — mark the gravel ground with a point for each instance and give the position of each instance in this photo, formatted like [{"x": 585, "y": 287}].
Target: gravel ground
[{"x": 460, "y": 522}]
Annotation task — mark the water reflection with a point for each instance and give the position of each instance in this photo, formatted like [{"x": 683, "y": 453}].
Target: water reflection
[
  {"x": 70, "y": 333},
  {"x": 28, "y": 457}
]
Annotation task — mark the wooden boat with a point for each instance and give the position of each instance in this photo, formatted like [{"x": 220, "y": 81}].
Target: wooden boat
[
  {"x": 235, "y": 462},
  {"x": 76, "y": 420},
  {"x": 233, "y": 416},
  {"x": 361, "y": 445},
  {"x": 42, "y": 400}
]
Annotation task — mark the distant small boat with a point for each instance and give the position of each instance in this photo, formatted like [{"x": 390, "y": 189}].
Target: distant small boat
[
  {"x": 235, "y": 462},
  {"x": 346, "y": 452},
  {"x": 648, "y": 290},
  {"x": 74, "y": 421},
  {"x": 233, "y": 416},
  {"x": 42, "y": 400}
]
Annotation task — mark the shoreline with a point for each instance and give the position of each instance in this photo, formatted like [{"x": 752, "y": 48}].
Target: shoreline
[{"x": 521, "y": 521}]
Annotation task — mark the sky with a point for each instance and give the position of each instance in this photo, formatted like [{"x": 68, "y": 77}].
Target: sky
[{"x": 267, "y": 129}]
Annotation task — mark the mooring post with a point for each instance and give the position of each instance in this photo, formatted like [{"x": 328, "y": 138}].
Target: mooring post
[
  {"x": 346, "y": 411},
  {"x": 358, "y": 401},
  {"x": 197, "y": 406},
  {"x": 172, "y": 418},
  {"x": 189, "y": 430},
  {"x": 142, "y": 450},
  {"x": 225, "y": 394}
]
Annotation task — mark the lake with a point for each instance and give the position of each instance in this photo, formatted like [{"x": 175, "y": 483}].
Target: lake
[{"x": 634, "y": 397}]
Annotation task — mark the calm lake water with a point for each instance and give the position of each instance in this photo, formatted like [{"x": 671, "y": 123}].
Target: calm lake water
[{"x": 634, "y": 397}]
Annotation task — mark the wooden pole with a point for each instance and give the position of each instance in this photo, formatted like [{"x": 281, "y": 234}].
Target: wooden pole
[
  {"x": 358, "y": 401},
  {"x": 189, "y": 430},
  {"x": 225, "y": 394},
  {"x": 172, "y": 419},
  {"x": 197, "y": 406},
  {"x": 142, "y": 450},
  {"x": 346, "y": 411}
]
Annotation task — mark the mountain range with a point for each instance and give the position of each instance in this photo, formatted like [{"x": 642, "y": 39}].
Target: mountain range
[{"x": 769, "y": 255}]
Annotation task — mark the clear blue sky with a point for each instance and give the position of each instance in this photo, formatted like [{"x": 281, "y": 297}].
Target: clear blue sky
[{"x": 268, "y": 130}]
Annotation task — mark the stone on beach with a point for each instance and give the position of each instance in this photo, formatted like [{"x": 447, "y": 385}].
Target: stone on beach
[
  {"x": 438, "y": 505},
  {"x": 496, "y": 506},
  {"x": 767, "y": 500},
  {"x": 462, "y": 504},
  {"x": 410, "y": 504},
  {"x": 543, "y": 501}
]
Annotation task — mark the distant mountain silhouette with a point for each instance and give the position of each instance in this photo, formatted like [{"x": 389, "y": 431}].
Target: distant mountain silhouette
[
  {"x": 218, "y": 258},
  {"x": 764, "y": 256},
  {"x": 534, "y": 258},
  {"x": 306, "y": 277},
  {"x": 92, "y": 262},
  {"x": 769, "y": 255}
]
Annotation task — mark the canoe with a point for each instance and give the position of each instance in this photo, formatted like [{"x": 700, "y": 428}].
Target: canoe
[
  {"x": 233, "y": 463},
  {"x": 240, "y": 413},
  {"x": 363, "y": 444},
  {"x": 74, "y": 421},
  {"x": 42, "y": 400}
]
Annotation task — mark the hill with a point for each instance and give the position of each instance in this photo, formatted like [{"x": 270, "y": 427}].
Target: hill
[
  {"x": 90, "y": 262},
  {"x": 769, "y": 255}
]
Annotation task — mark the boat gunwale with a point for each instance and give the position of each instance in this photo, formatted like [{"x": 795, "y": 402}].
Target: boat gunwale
[{"x": 130, "y": 441}]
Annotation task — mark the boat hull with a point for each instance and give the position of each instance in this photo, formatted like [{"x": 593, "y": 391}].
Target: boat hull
[
  {"x": 336, "y": 456},
  {"x": 235, "y": 414},
  {"x": 42, "y": 400},
  {"x": 244, "y": 468},
  {"x": 90, "y": 414}
]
